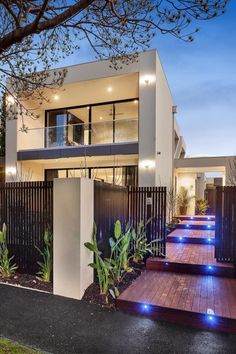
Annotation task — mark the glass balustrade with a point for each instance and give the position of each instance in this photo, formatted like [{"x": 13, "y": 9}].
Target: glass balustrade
[{"x": 104, "y": 132}]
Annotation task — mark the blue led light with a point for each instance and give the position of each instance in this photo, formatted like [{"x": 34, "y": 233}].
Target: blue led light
[
  {"x": 208, "y": 218},
  {"x": 180, "y": 238},
  {"x": 209, "y": 226},
  {"x": 210, "y": 318},
  {"x": 209, "y": 239},
  {"x": 210, "y": 267},
  {"x": 145, "y": 307},
  {"x": 187, "y": 225},
  {"x": 191, "y": 218},
  {"x": 166, "y": 263}
]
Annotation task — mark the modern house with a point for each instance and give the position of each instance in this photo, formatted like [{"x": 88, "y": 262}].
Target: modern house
[{"x": 117, "y": 126}]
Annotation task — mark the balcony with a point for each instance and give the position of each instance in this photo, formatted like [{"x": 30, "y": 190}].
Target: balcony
[{"x": 103, "y": 137}]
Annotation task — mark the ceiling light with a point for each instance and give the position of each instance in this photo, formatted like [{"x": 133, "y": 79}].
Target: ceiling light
[
  {"x": 56, "y": 97},
  {"x": 109, "y": 89},
  {"x": 101, "y": 118}
]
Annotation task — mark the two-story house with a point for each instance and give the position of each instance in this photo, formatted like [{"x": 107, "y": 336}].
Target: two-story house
[{"x": 112, "y": 125}]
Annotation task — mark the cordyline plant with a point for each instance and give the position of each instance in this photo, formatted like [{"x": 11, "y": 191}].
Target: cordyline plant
[
  {"x": 7, "y": 268},
  {"x": 36, "y": 35}
]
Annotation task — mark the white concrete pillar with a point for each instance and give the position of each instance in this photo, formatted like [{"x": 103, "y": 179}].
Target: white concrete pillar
[
  {"x": 73, "y": 218},
  {"x": 147, "y": 119}
]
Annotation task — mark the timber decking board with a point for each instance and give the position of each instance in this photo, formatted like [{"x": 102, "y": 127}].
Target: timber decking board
[
  {"x": 191, "y": 254},
  {"x": 184, "y": 292}
]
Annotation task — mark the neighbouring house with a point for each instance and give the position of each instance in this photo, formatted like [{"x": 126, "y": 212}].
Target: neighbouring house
[
  {"x": 117, "y": 126},
  {"x": 201, "y": 175}
]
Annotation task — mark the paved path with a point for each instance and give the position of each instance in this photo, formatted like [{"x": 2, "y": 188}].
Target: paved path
[{"x": 59, "y": 325}]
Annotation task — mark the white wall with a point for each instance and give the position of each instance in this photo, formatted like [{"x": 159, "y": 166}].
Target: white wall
[
  {"x": 164, "y": 129},
  {"x": 72, "y": 226},
  {"x": 187, "y": 180}
]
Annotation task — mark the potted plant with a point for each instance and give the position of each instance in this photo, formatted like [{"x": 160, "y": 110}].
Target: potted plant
[
  {"x": 201, "y": 206},
  {"x": 183, "y": 200}
]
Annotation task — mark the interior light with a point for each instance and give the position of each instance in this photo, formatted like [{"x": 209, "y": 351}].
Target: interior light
[
  {"x": 109, "y": 89},
  {"x": 135, "y": 101},
  {"x": 101, "y": 118},
  {"x": 56, "y": 97},
  {"x": 88, "y": 107}
]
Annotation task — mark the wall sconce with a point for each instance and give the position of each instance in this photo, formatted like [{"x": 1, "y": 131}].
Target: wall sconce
[
  {"x": 147, "y": 164},
  {"x": 10, "y": 99},
  {"x": 148, "y": 79},
  {"x": 11, "y": 170}
]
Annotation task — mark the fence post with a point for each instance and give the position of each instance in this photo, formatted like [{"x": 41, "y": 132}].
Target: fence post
[{"x": 72, "y": 225}]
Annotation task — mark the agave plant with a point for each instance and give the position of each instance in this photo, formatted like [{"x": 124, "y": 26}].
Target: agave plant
[
  {"x": 45, "y": 266},
  {"x": 7, "y": 268}
]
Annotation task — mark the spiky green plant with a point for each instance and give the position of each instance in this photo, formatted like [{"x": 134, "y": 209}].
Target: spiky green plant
[
  {"x": 101, "y": 266},
  {"x": 7, "y": 268},
  {"x": 45, "y": 266}
]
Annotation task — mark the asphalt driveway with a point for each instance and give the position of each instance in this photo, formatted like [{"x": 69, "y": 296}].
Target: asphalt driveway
[{"x": 59, "y": 325}]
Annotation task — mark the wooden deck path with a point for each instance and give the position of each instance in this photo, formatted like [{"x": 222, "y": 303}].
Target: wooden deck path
[
  {"x": 192, "y": 236},
  {"x": 188, "y": 286},
  {"x": 205, "y": 301}
]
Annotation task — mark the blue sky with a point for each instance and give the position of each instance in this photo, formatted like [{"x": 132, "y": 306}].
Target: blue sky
[{"x": 202, "y": 77}]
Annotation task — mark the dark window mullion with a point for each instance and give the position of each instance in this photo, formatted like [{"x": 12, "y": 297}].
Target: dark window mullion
[{"x": 114, "y": 124}]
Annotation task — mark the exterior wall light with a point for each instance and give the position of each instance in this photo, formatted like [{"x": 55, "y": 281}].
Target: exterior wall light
[
  {"x": 11, "y": 170},
  {"x": 148, "y": 79},
  {"x": 10, "y": 99},
  {"x": 147, "y": 164}
]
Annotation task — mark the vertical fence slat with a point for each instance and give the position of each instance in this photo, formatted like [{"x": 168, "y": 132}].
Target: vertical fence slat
[{"x": 26, "y": 217}]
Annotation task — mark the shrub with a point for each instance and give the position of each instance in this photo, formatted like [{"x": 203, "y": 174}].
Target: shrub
[{"x": 7, "y": 268}]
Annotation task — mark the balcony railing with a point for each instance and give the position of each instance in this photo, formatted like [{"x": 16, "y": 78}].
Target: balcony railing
[{"x": 104, "y": 132}]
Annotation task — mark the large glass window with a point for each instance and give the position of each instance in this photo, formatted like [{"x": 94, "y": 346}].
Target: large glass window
[
  {"x": 95, "y": 124},
  {"x": 126, "y": 121},
  {"x": 102, "y": 124},
  {"x": 123, "y": 176}
]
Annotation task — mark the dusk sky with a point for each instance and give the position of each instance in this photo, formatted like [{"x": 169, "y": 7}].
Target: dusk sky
[{"x": 202, "y": 78}]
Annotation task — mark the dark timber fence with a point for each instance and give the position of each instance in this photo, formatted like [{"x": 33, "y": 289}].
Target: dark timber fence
[
  {"x": 110, "y": 204},
  {"x": 27, "y": 210},
  {"x": 148, "y": 204},
  {"x": 225, "y": 235},
  {"x": 131, "y": 205}
]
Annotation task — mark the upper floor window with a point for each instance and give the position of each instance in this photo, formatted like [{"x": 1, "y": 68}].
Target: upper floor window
[{"x": 108, "y": 123}]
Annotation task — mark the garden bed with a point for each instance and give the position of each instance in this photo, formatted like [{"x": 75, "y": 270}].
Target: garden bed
[
  {"x": 28, "y": 281},
  {"x": 93, "y": 296}
]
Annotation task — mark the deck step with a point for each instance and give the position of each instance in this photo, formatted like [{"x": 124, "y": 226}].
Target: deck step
[
  {"x": 191, "y": 259},
  {"x": 192, "y": 236},
  {"x": 193, "y": 240},
  {"x": 196, "y": 217},
  {"x": 202, "y": 301},
  {"x": 195, "y": 225},
  {"x": 201, "y": 269}
]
